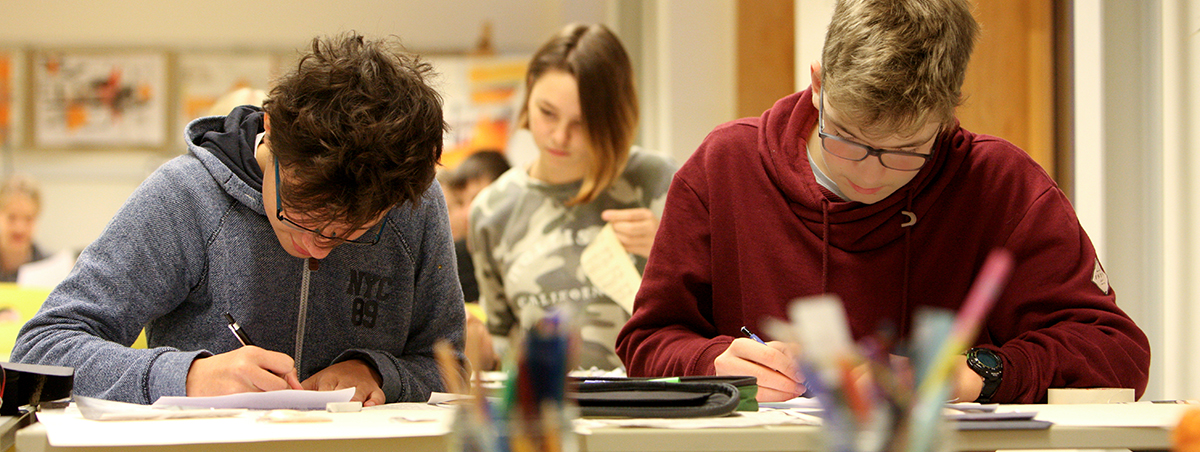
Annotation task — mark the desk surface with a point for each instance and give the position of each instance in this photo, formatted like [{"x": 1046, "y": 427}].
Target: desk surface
[{"x": 1145, "y": 427}]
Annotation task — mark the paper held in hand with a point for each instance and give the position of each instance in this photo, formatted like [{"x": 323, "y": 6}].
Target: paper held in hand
[{"x": 610, "y": 268}]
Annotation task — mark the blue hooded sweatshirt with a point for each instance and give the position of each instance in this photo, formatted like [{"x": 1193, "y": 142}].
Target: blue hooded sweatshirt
[{"x": 193, "y": 243}]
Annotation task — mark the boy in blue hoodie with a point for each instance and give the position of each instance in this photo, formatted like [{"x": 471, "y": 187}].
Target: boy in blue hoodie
[{"x": 313, "y": 221}]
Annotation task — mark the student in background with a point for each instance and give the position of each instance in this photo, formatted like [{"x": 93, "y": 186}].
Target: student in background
[
  {"x": 312, "y": 221},
  {"x": 20, "y": 205},
  {"x": 472, "y": 175},
  {"x": 530, "y": 226},
  {"x": 865, "y": 186},
  {"x": 461, "y": 186}
]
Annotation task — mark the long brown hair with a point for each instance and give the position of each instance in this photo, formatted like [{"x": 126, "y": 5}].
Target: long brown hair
[{"x": 607, "y": 97}]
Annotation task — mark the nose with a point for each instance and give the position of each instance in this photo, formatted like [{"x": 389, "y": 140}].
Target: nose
[
  {"x": 871, "y": 170},
  {"x": 315, "y": 248},
  {"x": 561, "y": 134}
]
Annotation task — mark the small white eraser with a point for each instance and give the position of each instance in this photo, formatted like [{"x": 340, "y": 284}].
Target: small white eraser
[{"x": 343, "y": 407}]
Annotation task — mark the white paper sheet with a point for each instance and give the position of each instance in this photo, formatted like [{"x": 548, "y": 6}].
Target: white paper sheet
[
  {"x": 1139, "y": 414},
  {"x": 290, "y": 399},
  {"x": 68, "y": 428},
  {"x": 108, "y": 410},
  {"x": 609, "y": 267}
]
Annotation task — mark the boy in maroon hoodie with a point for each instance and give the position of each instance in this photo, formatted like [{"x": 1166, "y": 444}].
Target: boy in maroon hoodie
[{"x": 865, "y": 186}]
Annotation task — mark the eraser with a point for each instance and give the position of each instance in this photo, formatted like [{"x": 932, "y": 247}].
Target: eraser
[
  {"x": 343, "y": 407},
  {"x": 1057, "y": 396}
]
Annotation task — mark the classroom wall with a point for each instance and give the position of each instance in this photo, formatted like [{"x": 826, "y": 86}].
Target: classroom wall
[{"x": 82, "y": 189}]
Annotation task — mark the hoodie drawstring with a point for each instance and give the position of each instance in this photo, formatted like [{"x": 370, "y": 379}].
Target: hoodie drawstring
[
  {"x": 825, "y": 250},
  {"x": 907, "y": 225},
  {"x": 911, "y": 220}
]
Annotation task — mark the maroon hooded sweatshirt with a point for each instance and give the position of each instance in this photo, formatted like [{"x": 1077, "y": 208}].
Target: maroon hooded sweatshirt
[{"x": 747, "y": 229}]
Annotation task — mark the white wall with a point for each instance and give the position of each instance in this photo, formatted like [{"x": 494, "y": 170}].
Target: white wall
[
  {"x": 1178, "y": 43},
  {"x": 1137, "y": 125},
  {"x": 694, "y": 64}
]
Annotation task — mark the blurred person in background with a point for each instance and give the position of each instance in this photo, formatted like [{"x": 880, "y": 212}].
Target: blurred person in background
[
  {"x": 20, "y": 204},
  {"x": 530, "y": 227}
]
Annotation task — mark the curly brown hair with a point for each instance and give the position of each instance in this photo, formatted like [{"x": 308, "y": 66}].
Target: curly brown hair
[{"x": 357, "y": 127}]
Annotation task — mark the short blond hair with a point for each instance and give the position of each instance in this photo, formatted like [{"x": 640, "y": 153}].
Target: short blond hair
[
  {"x": 893, "y": 66},
  {"x": 20, "y": 184}
]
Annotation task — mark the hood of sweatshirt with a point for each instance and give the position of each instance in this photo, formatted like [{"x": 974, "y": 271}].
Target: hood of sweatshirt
[
  {"x": 231, "y": 140},
  {"x": 848, "y": 225}
]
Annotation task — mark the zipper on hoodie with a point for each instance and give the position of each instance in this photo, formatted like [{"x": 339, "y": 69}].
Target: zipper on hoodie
[{"x": 312, "y": 264}]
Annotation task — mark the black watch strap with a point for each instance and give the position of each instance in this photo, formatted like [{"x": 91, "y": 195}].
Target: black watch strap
[{"x": 989, "y": 365}]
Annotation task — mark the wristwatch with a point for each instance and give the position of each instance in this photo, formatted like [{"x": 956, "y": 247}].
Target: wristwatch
[{"x": 988, "y": 365}]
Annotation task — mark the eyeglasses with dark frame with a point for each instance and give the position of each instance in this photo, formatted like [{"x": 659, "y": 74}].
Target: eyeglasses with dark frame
[
  {"x": 856, "y": 152},
  {"x": 333, "y": 241}
]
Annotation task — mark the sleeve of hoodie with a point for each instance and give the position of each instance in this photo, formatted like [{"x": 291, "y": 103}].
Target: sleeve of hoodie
[
  {"x": 1057, "y": 323},
  {"x": 669, "y": 333},
  {"x": 142, "y": 266},
  {"x": 437, "y": 311}
]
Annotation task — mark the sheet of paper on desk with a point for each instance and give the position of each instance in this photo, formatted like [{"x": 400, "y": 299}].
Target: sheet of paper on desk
[
  {"x": 609, "y": 267},
  {"x": 68, "y": 428},
  {"x": 1137, "y": 414},
  {"x": 290, "y": 399},
  {"x": 108, "y": 410}
]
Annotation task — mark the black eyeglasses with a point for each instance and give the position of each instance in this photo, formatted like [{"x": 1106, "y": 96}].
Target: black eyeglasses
[
  {"x": 855, "y": 152},
  {"x": 331, "y": 240}
]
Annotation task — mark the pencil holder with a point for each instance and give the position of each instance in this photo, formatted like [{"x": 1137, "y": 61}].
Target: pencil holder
[
  {"x": 472, "y": 430},
  {"x": 532, "y": 413},
  {"x": 887, "y": 427}
]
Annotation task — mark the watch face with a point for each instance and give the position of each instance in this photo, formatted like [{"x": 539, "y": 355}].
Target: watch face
[{"x": 988, "y": 359}]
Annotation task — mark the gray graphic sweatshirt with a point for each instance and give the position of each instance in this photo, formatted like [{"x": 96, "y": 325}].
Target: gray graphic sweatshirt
[{"x": 193, "y": 243}]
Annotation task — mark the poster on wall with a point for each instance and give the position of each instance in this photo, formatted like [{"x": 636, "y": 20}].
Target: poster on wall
[
  {"x": 481, "y": 98},
  {"x": 99, "y": 99},
  {"x": 232, "y": 78},
  {"x": 11, "y": 70}
]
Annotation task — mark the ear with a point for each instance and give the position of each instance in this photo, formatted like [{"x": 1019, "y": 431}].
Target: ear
[
  {"x": 267, "y": 122},
  {"x": 815, "y": 74}
]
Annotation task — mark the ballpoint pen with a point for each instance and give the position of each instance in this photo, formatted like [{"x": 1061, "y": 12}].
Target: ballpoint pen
[
  {"x": 751, "y": 335},
  {"x": 237, "y": 331}
]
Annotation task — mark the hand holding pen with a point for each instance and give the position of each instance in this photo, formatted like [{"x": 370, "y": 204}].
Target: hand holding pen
[
  {"x": 237, "y": 331},
  {"x": 774, "y": 364},
  {"x": 245, "y": 369}
]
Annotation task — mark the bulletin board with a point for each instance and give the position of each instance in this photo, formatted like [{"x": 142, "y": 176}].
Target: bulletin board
[
  {"x": 481, "y": 97},
  {"x": 99, "y": 98}
]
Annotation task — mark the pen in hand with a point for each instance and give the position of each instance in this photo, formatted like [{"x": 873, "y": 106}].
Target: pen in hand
[
  {"x": 745, "y": 331},
  {"x": 237, "y": 331}
]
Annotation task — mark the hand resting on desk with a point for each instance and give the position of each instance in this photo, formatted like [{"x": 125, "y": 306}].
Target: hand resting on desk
[
  {"x": 246, "y": 369},
  {"x": 353, "y": 373},
  {"x": 774, "y": 364}
]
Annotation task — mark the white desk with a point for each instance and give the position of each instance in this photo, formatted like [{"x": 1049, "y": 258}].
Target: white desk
[
  {"x": 1140, "y": 426},
  {"x": 8, "y": 429}
]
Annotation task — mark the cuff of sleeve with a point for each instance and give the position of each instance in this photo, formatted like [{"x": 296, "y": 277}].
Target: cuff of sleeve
[
  {"x": 168, "y": 374},
  {"x": 1012, "y": 384},
  {"x": 392, "y": 388},
  {"x": 705, "y": 363}
]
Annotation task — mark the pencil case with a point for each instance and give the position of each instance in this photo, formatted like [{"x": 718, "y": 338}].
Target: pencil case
[{"x": 671, "y": 397}]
